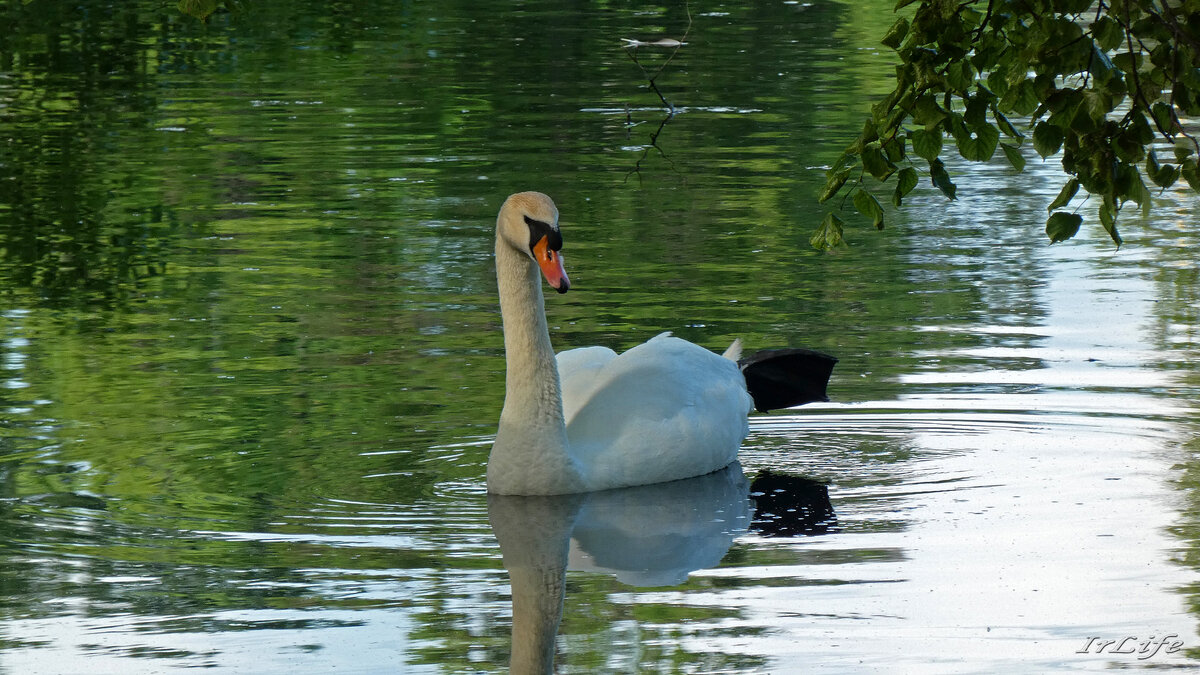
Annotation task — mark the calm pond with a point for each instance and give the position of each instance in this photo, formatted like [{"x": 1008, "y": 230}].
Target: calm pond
[{"x": 252, "y": 358}]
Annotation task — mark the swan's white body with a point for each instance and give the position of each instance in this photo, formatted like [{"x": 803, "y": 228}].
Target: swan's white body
[{"x": 591, "y": 419}]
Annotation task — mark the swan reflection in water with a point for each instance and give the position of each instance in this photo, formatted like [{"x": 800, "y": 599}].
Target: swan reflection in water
[{"x": 649, "y": 535}]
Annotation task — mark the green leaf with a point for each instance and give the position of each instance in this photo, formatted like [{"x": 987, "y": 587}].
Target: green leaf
[
  {"x": 1144, "y": 197},
  {"x": 976, "y": 143},
  {"x": 1183, "y": 149},
  {"x": 960, "y": 76},
  {"x": 833, "y": 184},
  {"x": 1061, "y": 226},
  {"x": 836, "y": 176},
  {"x": 881, "y": 108},
  {"x": 927, "y": 144},
  {"x": 977, "y": 107},
  {"x": 1163, "y": 53},
  {"x": 1128, "y": 185},
  {"x": 875, "y": 162},
  {"x": 1084, "y": 113},
  {"x": 998, "y": 79},
  {"x": 847, "y": 160},
  {"x": 896, "y": 33},
  {"x": 927, "y": 111},
  {"x": 1163, "y": 175},
  {"x": 1108, "y": 218},
  {"x": 1162, "y": 116},
  {"x": 1063, "y": 105},
  {"x": 941, "y": 179},
  {"x": 1021, "y": 98},
  {"x": 1065, "y": 195},
  {"x": 1140, "y": 127},
  {"x": 870, "y": 132},
  {"x": 1071, "y": 6},
  {"x": 1127, "y": 146},
  {"x": 1006, "y": 126},
  {"x": 1190, "y": 170},
  {"x": 1101, "y": 67},
  {"x": 829, "y": 234},
  {"x": 1144, "y": 27},
  {"x": 1128, "y": 61},
  {"x": 894, "y": 150},
  {"x": 1187, "y": 97},
  {"x": 1013, "y": 153},
  {"x": 902, "y": 3},
  {"x": 905, "y": 182},
  {"x": 1097, "y": 105},
  {"x": 1047, "y": 139},
  {"x": 869, "y": 206},
  {"x": 1123, "y": 182},
  {"x": 1107, "y": 32}
]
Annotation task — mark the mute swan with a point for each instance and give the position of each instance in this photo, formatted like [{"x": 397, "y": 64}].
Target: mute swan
[{"x": 592, "y": 420}]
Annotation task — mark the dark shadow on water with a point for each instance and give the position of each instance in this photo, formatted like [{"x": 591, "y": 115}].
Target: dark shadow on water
[{"x": 791, "y": 506}]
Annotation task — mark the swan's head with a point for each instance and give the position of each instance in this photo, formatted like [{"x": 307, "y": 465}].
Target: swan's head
[{"x": 528, "y": 222}]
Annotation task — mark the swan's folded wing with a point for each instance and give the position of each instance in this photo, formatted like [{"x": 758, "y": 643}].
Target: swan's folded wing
[
  {"x": 579, "y": 372},
  {"x": 666, "y": 406}
]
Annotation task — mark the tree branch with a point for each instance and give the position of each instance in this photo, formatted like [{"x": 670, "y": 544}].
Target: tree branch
[
  {"x": 1139, "y": 97},
  {"x": 986, "y": 17}
]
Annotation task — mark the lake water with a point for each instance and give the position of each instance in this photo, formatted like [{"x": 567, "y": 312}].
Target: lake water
[{"x": 252, "y": 358}]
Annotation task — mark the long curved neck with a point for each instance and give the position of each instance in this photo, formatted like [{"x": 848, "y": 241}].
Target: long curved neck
[
  {"x": 532, "y": 375},
  {"x": 530, "y": 454}
]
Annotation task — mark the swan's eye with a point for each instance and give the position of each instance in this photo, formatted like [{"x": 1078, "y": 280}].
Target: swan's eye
[{"x": 539, "y": 230}]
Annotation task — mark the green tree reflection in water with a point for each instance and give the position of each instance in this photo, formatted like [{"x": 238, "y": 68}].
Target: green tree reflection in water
[{"x": 249, "y": 322}]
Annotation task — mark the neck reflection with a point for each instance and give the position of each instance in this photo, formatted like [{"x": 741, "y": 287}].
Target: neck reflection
[{"x": 649, "y": 535}]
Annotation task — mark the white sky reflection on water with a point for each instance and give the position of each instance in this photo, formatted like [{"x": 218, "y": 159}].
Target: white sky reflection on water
[{"x": 1032, "y": 520}]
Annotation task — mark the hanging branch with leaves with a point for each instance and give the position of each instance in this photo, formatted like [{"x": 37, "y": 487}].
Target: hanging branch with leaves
[{"x": 1108, "y": 84}]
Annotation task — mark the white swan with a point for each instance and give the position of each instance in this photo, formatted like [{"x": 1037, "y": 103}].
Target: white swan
[{"x": 590, "y": 419}]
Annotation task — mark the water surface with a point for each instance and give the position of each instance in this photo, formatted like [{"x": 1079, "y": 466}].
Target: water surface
[{"x": 252, "y": 357}]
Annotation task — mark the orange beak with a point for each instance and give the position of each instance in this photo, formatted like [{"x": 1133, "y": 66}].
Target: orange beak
[{"x": 551, "y": 263}]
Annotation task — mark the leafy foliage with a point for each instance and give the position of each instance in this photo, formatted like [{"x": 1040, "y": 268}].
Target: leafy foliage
[{"x": 1101, "y": 83}]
